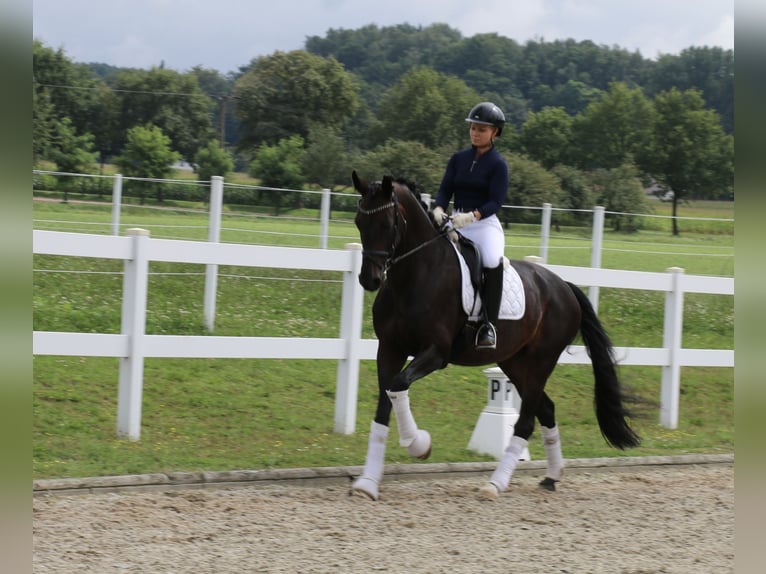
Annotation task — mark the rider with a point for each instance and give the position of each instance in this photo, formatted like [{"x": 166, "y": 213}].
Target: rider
[{"x": 477, "y": 177}]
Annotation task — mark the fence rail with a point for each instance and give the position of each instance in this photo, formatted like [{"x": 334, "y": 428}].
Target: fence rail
[
  {"x": 214, "y": 190},
  {"x": 133, "y": 345}
]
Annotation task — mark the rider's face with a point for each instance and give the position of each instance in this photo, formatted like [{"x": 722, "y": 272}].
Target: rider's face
[{"x": 482, "y": 134}]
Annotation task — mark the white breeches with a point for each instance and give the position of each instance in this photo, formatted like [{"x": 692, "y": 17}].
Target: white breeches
[{"x": 488, "y": 235}]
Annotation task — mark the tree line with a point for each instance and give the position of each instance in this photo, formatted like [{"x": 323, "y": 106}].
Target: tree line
[{"x": 588, "y": 124}]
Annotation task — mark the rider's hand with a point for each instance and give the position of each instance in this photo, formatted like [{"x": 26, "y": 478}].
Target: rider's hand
[
  {"x": 439, "y": 216},
  {"x": 463, "y": 219}
]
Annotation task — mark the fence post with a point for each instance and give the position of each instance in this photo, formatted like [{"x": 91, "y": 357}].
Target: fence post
[
  {"x": 324, "y": 218},
  {"x": 671, "y": 340},
  {"x": 352, "y": 308},
  {"x": 595, "y": 251},
  {"x": 116, "y": 203},
  {"x": 213, "y": 236},
  {"x": 494, "y": 428},
  {"x": 545, "y": 232},
  {"x": 134, "y": 287}
]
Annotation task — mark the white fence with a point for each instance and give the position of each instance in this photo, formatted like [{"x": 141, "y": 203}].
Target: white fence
[
  {"x": 214, "y": 226},
  {"x": 133, "y": 345}
]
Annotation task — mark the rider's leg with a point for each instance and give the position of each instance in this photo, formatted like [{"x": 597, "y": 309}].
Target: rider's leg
[{"x": 491, "y": 295}]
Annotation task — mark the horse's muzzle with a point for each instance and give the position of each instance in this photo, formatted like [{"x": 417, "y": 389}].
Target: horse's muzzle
[
  {"x": 370, "y": 282},
  {"x": 371, "y": 276}
]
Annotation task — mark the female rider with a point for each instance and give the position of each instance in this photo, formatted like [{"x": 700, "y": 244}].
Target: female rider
[{"x": 477, "y": 179}]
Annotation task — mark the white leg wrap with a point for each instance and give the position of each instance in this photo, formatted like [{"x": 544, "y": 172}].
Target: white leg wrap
[
  {"x": 408, "y": 429},
  {"x": 502, "y": 475},
  {"x": 372, "y": 473},
  {"x": 552, "y": 445}
]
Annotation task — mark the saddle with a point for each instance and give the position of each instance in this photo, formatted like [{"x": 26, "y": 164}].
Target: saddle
[
  {"x": 512, "y": 304},
  {"x": 472, "y": 256}
]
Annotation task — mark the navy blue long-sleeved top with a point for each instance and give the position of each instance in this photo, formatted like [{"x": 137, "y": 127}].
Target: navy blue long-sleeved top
[{"x": 480, "y": 184}]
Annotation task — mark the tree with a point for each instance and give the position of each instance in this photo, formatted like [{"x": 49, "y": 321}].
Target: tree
[
  {"x": 72, "y": 89},
  {"x": 325, "y": 160},
  {"x": 427, "y": 107},
  {"x": 70, "y": 152},
  {"x": 213, "y": 160},
  {"x": 574, "y": 96},
  {"x": 529, "y": 184},
  {"x": 619, "y": 190},
  {"x": 576, "y": 193},
  {"x": 614, "y": 130},
  {"x": 546, "y": 137},
  {"x": 287, "y": 94},
  {"x": 169, "y": 100},
  {"x": 279, "y": 166},
  {"x": 708, "y": 69},
  {"x": 43, "y": 125},
  {"x": 411, "y": 160},
  {"x": 690, "y": 153},
  {"x": 147, "y": 154},
  {"x": 381, "y": 55},
  {"x": 219, "y": 89}
]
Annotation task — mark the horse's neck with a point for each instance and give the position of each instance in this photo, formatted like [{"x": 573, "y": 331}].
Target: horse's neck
[
  {"x": 419, "y": 226},
  {"x": 420, "y": 246}
]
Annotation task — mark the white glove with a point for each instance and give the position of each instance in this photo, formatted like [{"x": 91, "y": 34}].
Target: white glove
[
  {"x": 439, "y": 216},
  {"x": 463, "y": 219}
]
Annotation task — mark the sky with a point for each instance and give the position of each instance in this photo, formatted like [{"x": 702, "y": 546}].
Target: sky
[{"x": 226, "y": 34}]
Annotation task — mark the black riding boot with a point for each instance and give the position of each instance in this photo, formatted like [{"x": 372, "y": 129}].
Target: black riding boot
[{"x": 491, "y": 293}]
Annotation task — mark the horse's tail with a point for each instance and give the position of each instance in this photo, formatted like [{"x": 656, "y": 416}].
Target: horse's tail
[{"x": 608, "y": 400}]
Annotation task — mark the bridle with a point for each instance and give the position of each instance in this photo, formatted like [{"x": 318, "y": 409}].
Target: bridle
[{"x": 389, "y": 255}]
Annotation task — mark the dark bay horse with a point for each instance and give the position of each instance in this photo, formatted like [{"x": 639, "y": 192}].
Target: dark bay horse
[{"x": 418, "y": 313}]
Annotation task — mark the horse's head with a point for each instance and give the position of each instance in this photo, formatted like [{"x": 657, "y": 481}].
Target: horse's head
[{"x": 377, "y": 219}]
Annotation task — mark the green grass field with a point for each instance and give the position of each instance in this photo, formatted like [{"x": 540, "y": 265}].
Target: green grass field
[{"x": 201, "y": 414}]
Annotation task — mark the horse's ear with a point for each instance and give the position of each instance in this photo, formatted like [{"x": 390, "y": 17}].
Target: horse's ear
[
  {"x": 359, "y": 184},
  {"x": 388, "y": 184}
]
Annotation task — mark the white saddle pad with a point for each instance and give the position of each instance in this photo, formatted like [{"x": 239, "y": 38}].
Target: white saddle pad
[{"x": 512, "y": 303}]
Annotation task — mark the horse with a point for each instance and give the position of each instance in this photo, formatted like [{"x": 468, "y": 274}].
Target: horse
[{"x": 417, "y": 312}]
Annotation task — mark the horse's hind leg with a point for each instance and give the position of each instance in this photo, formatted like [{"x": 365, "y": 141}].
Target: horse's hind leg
[
  {"x": 529, "y": 372},
  {"x": 546, "y": 415}
]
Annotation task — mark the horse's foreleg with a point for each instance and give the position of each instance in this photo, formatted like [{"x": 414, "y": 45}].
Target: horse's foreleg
[
  {"x": 416, "y": 440},
  {"x": 369, "y": 481}
]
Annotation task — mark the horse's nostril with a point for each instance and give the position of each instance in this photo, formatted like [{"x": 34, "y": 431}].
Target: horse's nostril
[{"x": 369, "y": 283}]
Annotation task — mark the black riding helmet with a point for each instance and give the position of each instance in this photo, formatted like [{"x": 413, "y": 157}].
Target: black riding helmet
[{"x": 489, "y": 114}]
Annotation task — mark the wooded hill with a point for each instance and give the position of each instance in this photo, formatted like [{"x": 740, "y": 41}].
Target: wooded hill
[{"x": 587, "y": 123}]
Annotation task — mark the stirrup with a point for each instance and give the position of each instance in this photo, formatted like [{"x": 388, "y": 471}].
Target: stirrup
[{"x": 486, "y": 337}]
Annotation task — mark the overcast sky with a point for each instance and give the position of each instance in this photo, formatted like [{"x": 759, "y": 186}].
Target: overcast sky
[{"x": 226, "y": 34}]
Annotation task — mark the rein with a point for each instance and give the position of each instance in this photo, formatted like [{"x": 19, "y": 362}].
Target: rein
[
  {"x": 389, "y": 255},
  {"x": 418, "y": 248}
]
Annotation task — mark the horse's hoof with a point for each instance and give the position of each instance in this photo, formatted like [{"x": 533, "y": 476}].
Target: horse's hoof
[
  {"x": 365, "y": 486},
  {"x": 489, "y": 492},
  {"x": 548, "y": 484},
  {"x": 420, "y": 448}
]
